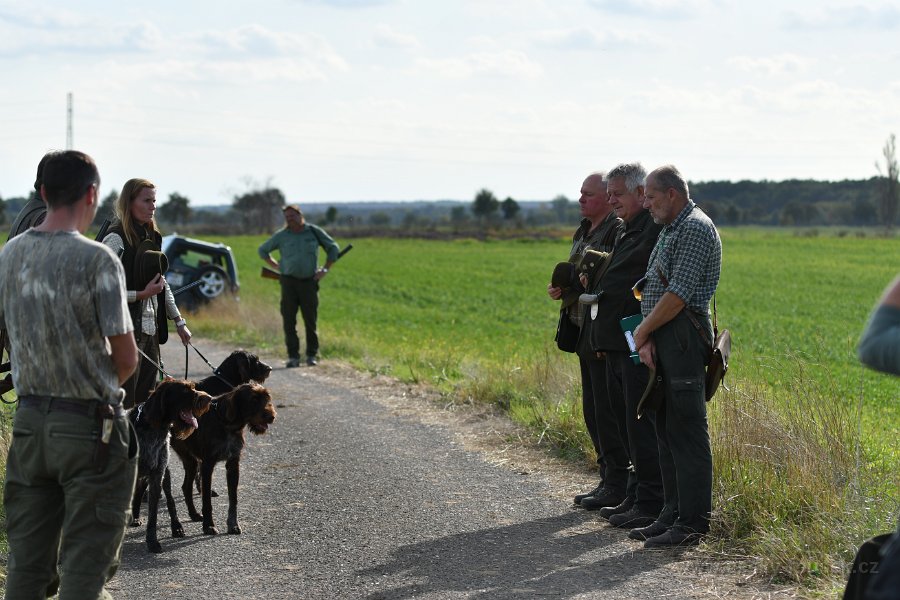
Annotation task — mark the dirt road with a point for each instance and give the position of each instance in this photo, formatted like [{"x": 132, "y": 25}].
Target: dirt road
[{"x": 363, "y": 488}]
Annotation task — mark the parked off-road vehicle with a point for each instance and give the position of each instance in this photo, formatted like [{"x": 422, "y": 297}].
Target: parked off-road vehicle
[{"x": 210, "y": 264}]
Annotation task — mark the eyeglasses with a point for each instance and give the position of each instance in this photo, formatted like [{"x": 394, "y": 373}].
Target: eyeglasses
[{"x": 638, "y": 288}]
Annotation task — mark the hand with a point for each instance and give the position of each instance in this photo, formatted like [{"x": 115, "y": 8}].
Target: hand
[
  {"x": 184, "y": 333},
  {"x": 554, "y": 292},
  {"x": 647, "y": 352},
  {"x": 156, "y": 285},
  {"x": 320, "y": 273},
  {"x": 639, "y": 338}
]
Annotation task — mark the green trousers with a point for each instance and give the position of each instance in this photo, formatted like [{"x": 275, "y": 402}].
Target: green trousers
[
  {"x": 302, "y": 294},
  {"x": 59, "y": 509}
]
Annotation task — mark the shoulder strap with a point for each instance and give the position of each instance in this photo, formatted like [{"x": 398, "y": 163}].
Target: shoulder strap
[
  {"x": 715, "y": 321},
  {"x": 315, "y": 231}
]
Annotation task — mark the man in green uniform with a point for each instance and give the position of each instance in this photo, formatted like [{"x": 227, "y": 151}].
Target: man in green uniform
[
  {"x": 298, "y": 244},
  {"x": 597, "y": 231},
  {"x": 72, "y": 463}
]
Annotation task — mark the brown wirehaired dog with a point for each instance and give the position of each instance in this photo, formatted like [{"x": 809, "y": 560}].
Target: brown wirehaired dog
[
  {"x": 171, "y": 410},
  {"x": 238, "y": 367},
  {"x": 220, "y": 437}
]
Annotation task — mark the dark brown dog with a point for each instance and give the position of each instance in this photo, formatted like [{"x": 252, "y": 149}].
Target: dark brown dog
[
  {"x": 220, "y": 437},
  {"x": 171, "y": 410},
  {"x": 239, "y": 367}
]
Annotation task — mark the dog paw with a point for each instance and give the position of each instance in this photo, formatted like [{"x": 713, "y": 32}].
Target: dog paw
[
  {"x": 196, "y": 518},
  {"x": 210, "y": 530},
  {"x": 235, "y": 529},
  {"x": 178, "y": 532},
  {"x": 136, "y": 522},
  {"x": 155, "y": 547}
]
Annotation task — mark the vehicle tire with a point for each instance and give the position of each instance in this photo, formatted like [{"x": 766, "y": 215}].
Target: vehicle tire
[{"x": 215, "y": 283}]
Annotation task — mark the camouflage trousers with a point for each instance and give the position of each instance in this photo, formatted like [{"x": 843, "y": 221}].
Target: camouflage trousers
[{"x": 60, "y": 511}]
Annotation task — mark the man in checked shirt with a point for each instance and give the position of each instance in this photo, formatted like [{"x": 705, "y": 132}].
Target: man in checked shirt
[{"x": 682, "y": 276}]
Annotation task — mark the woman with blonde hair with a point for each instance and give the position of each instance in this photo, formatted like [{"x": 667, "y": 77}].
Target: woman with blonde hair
[{"x": 133, "y": 235}]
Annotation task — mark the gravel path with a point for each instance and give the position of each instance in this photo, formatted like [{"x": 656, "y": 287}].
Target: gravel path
[{"x": 364, "y": 488}]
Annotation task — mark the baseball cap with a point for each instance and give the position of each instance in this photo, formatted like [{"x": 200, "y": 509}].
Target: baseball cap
[{"x": 294, "y": 208}]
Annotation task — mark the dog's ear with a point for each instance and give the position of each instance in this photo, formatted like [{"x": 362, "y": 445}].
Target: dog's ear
[
  {"x": 227, "y": 365},
  {"x": 202, "y": 401},
  {"x": 155, "y": 406},
  {"x": 233, "y": 401},
  {"x": 243, "y": 367}
]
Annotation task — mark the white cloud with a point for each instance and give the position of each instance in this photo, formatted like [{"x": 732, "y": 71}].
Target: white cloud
[
  {"x": 509, "y": 63},
  {"x": 847, "y": 16},
  {"x": 138, "y": 38},
  {"x": 172, "y": 73},
  {"x": 783, "y": 64},
  {"x": 347, "y": 3},
  {"x": 653, "y": 9},
  {"x": 34, "y": 17},
  {"x": 256, "y": 41},
  {"x": 584, "y": 39},
  {"x": 386, "y": 37}
]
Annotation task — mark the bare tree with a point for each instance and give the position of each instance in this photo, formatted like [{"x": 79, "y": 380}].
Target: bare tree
[{"x": 890, "y": 187}]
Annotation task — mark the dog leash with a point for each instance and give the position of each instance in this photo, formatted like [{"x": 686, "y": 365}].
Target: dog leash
[
  {"x": 154, "y": 363},
  {"x": 214, "y": 370}
]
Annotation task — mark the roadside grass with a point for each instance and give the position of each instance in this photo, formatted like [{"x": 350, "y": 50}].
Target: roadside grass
[
  {"x": 6, "y": 413},
  {"x": 804, "y": 445}
]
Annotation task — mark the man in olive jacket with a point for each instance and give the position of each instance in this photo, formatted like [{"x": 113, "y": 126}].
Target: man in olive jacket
[
  {"x": 627, "y": 380},
  {"x": 597, "y": 231}
]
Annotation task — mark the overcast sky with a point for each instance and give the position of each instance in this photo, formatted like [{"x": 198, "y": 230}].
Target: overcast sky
[{"x": 340, "y": 100}]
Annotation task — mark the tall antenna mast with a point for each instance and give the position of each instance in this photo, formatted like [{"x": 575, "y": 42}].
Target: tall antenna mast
[{"x": 69, "y": 121}]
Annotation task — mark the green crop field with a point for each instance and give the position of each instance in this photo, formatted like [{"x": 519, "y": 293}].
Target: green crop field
[
  {"x": 804, "y": 444},
  {"x": 448, "y": 310}
]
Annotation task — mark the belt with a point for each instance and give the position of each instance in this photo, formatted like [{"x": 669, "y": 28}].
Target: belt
[{"x": 87, "y": 408}]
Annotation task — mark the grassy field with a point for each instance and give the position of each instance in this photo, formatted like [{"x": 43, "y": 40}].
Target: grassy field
[
  {"x": 805, "y": 443},
  {"x": 448, "y": 311}
]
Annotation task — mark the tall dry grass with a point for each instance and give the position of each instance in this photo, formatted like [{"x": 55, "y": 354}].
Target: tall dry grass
[{"x": 795, "y": 489}]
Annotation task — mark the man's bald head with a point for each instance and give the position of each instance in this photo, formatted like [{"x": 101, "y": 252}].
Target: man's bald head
[{"x": 593, "y": 200}]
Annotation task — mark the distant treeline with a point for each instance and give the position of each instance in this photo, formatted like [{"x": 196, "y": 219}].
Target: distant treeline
[
  {"x": 795, "y": 202},
  {"x": 791, "y": 203}
]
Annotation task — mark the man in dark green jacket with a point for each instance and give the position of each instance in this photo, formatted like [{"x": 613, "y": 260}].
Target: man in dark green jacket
[
  {"x": 298, "y": 244},
  {"x": 597, "y": 231},
  {"x": 627, "y": 379}
]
